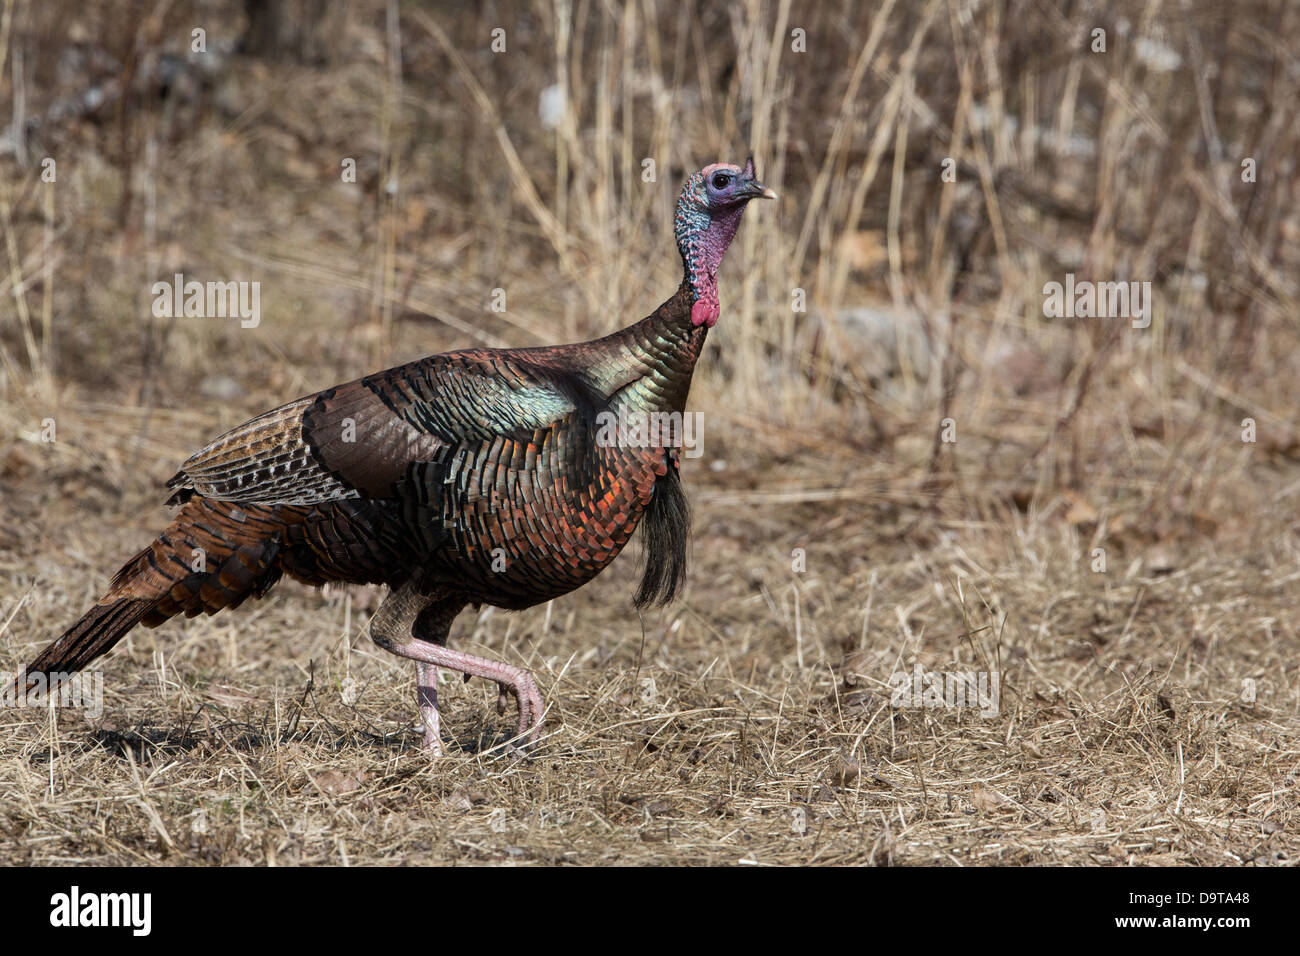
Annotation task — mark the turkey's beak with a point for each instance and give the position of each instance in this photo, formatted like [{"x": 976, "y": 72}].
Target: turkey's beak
[{"x": 753, "y": 188}]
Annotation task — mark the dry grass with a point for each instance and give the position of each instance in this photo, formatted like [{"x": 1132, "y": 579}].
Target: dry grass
[{"x": 751, "y": 720}]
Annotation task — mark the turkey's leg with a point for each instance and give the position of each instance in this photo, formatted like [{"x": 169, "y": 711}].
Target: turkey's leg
[
  {"x": 514, "y": 680},
  {"x": 393, "y": 626},
  {"x": 426, "y": 692},
  {"x": 415, "y": 626}
]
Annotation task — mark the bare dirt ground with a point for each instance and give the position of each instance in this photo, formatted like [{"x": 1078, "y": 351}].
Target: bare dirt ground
[{"x": 1105, "y": 533}]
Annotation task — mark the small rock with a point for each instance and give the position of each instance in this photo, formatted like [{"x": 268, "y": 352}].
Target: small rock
[
  {"x": 221, "y": 388},
  {"x": 845, "y": 772},
  {"x": 336, "y": 783}
]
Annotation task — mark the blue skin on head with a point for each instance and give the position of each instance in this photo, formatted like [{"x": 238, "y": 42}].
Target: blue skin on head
[{"x": 708, "y": 213}]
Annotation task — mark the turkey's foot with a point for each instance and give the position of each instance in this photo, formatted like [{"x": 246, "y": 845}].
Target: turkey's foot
[{"x": 511, "y": 680}]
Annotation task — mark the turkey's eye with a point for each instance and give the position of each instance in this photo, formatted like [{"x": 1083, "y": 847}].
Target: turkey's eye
[{"x": 721, "y": 180}]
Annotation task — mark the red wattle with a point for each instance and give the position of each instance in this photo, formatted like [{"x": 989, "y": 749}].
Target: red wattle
[{"x": 704, "y": 313}]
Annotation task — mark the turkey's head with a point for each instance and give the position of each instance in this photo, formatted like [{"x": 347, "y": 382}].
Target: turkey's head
[{"x": 708, "y": 213}]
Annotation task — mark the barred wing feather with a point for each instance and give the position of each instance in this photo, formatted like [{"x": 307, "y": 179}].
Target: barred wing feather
[{"x": 361, "y": 439}]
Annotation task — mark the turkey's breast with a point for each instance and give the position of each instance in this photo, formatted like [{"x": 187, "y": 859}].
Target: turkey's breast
[{"x": 515, "y": 522}]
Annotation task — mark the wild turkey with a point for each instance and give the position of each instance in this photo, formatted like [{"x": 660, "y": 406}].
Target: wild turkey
[{"x": 471, "y": 477}]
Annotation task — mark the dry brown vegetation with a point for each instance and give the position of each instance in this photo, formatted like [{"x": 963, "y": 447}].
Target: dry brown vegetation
[{"x": 1148, "y": 711}]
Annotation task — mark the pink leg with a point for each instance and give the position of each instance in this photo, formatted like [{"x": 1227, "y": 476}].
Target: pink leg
[
  {"x": 515, "y": 680},
  {"x": 414, "y": 624},
  {"x": 426, "y": 691}
]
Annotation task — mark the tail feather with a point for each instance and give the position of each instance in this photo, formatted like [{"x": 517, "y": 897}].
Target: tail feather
[
  {"x": 98, "y": 630},
  {"x": 216, "y": 555},
  {"x": 213, "y": 556}
]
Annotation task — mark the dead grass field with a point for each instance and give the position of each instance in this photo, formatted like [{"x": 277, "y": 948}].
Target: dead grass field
[{"x": 1149, "y": 712}]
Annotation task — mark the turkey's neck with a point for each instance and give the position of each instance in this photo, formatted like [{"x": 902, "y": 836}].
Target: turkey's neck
[
  {"x": 702, "y": 248},
  {"x": 651, "y": 366},
  {"x": 647, "y": 367}
]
